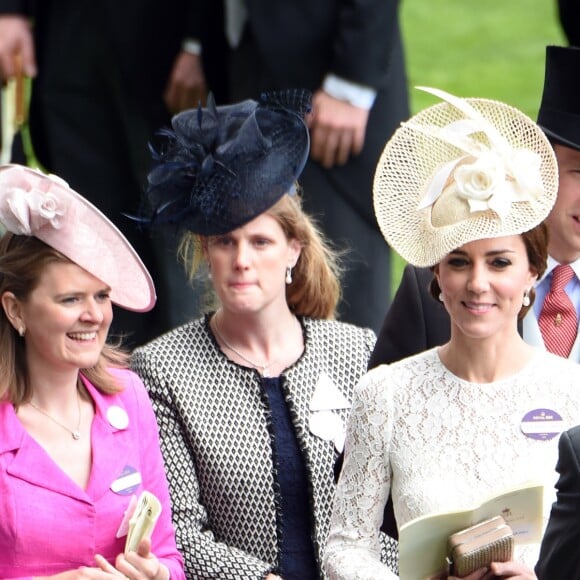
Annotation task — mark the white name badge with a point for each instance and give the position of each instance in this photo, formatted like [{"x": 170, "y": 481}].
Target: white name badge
[
  {"x": 542, "y": 424},
  {"x": 127, "y": 483}
]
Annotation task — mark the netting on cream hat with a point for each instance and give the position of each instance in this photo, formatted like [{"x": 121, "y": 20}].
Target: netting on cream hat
[{"x": 459, "y": 171}]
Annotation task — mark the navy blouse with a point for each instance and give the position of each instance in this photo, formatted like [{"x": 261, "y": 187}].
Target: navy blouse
[{"x": 297, "y": 560}]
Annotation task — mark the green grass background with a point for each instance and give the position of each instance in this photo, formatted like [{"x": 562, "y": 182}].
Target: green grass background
[{"x": 477, "y": 48}]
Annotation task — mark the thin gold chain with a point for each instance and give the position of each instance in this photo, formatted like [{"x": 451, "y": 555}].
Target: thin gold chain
[
  {"x": 76, "y": 434},
  {"x": 257, "y": 366}
]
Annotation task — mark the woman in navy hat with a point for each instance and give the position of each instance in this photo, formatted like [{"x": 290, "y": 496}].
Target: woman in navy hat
[{"x": 252, "y": 399}]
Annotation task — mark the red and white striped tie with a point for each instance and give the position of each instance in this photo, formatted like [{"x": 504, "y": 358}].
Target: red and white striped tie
[{"x": 558, "y": 320}]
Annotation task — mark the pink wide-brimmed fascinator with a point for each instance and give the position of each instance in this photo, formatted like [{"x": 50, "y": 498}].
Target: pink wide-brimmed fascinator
[{"x": 44, "y": 206}]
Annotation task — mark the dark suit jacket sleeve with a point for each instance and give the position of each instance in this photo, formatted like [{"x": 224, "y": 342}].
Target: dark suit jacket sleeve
[
  {"x": 414, "y": 322},
  {"x": 560, "y": 551},
  {"x": 15, "y": 7},
  {"x": 365, "y": 35},
  {"x": 199, "y": 19},
  {"x": 306, "y": 39}
]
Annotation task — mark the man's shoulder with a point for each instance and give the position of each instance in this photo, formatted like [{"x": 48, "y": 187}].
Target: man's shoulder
[{"x": 573, "y": 436}]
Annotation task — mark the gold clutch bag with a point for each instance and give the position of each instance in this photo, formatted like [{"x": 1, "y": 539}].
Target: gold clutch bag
[{"x": 478, "y": 546}]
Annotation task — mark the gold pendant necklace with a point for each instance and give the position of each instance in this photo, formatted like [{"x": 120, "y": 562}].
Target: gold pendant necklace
[{"x": 76, "y": 434}]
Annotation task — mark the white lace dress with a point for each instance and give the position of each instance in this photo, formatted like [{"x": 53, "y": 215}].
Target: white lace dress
[{"x": 440, "y": 443}]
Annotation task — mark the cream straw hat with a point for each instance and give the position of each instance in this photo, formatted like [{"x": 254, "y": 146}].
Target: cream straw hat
[{"x": 459, "y": 171}]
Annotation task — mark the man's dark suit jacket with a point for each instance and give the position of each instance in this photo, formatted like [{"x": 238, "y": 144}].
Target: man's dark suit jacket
[
  {"x": 300, "y": 42},
  {"x": 560, "y": 551},
  {"x": 96, "y": 104}
]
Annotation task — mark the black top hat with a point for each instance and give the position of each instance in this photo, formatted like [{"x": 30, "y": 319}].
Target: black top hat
[
  {"x": 221, "y": 167},
  {"x": 559, "y": 114}
]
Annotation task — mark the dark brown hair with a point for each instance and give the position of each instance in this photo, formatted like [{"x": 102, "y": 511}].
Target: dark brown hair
[{"x": 536, "y": 243}]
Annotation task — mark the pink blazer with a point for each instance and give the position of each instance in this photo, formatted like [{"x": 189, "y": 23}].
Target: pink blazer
[{"x": 48, "y": 524}]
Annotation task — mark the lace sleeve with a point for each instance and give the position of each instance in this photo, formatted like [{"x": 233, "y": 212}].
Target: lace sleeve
[{"x": 353, "y": 547}]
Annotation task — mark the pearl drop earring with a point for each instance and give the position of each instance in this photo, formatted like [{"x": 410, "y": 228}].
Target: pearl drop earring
[
  {"x": 288, "y": 275},
  {"x": 526, "y": 299}
]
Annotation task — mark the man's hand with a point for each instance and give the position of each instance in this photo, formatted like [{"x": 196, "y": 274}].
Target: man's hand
[
  {"x": 16, "y": 41},
  {"x": 186, "y": 87},
  {"x": 337, "y": 129}
]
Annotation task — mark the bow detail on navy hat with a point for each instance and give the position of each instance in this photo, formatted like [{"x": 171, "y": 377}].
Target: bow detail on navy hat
[{"x": 220, "y": 167}]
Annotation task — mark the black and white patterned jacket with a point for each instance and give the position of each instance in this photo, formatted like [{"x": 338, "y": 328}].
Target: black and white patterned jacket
[{"x": 216, "y": 441}]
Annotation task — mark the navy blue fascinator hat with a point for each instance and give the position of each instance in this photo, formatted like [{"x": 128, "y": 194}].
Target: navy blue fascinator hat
[{"x": 220, "y": 167}]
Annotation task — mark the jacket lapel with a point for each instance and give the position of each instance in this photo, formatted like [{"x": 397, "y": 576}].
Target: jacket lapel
[
  {"x": 30, "y": 461},
  {"x": 111, "y": 442},
  {"x": 112, "y": 451}
]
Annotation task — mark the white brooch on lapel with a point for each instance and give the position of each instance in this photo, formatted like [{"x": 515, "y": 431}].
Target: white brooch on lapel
[{"x": 324, "y": 423}]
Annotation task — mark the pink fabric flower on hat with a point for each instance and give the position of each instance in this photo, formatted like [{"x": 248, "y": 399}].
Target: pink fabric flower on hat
[
  {"x": 44, "y": 206},
  {"x": 26, "y": 208}
]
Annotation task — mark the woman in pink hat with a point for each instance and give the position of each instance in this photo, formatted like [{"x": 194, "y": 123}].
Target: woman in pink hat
[{"x": 78, "y": 438}]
